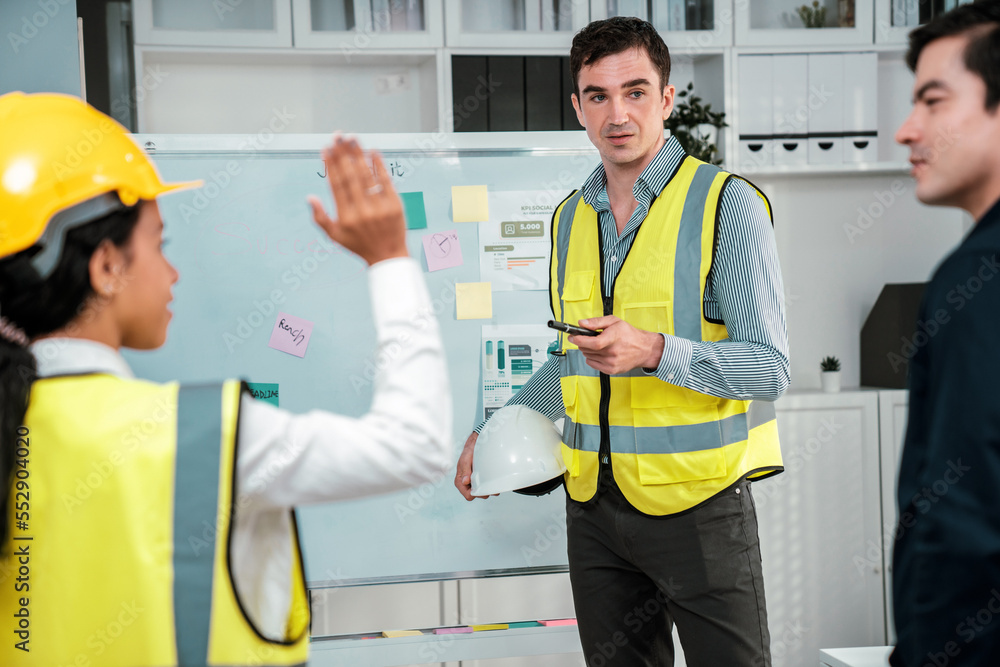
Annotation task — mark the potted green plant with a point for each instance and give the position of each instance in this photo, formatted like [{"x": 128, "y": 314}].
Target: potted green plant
[
  {"x": 813, "y": 17},
  {"x": 830, "y": 375},
  {"x": 696, "y": 126}
]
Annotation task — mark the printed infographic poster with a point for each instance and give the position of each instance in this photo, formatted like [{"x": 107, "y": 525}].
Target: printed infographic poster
[
  {"x": 514, "y": 246},
  {"x": 511, "y": 354}
]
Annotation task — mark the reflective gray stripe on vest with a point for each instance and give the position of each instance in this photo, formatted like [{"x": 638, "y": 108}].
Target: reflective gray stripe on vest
[
  {"x": 196, "y": 500},
  {"x": 760, "y": 413},
  {"x": 687, "y": 257},
  {"x": 574, "y": 363},
  {"x": 562, "y": 245},
  {"x": 670, "y": 439}
]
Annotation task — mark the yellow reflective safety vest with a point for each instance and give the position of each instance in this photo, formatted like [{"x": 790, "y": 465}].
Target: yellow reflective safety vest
[
  {"x": 669, "y": 448},
  {"x": 120, "y": 532}
]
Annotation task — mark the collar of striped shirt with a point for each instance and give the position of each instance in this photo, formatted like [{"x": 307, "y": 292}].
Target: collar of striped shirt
[{"x": 650, "y": 183}]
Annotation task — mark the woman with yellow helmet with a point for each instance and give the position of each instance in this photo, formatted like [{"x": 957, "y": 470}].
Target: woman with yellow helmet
[{"x": 151, "y": 524}]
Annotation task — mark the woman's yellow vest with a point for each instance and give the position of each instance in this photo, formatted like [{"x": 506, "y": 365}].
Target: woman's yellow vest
[
  {"x": 120, "y": 532},
  {"x": 669, "y": 448}
]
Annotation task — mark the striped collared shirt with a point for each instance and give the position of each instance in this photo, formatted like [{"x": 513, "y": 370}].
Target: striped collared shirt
[{"x": 743, "y": 289}]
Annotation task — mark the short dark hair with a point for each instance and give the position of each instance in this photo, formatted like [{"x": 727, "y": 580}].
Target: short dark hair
[
  {"x": 605, "y": 38},
  {"x": 980, "y": 21}
]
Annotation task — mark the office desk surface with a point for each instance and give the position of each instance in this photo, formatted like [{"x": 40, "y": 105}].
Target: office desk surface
[{"x": 867, "y": 656}]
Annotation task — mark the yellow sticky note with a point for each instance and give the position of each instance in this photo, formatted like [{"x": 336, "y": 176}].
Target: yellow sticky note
[
  {"x": 401, "y": 633},
  {"x": 490, "y": 626},
  {"x": 474, "y": 301},
  {"x": 469, "y": 203}
]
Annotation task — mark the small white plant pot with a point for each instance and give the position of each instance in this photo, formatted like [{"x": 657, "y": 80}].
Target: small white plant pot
[{"x": 831, "y": 381}]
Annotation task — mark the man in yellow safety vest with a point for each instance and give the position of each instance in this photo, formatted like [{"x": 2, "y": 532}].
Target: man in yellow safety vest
[{"x": 669, "y": 409}]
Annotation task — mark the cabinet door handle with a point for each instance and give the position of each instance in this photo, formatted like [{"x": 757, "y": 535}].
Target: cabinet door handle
[
  {"x": 790, "y": 147},
  {"x": 861, "y": 144},
  {"x": 755, "y": 147},
  {"x": 826, "y": 145}
]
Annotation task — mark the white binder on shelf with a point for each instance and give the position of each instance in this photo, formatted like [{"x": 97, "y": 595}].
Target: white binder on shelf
[
  {"x": 790, "y": 115},
  {"x": 861, "y": 107},
  {"x": 756, "y": 99},
  {"x": 826, "y": 108}
]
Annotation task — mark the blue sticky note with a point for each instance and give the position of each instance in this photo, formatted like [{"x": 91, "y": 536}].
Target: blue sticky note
[
  {"x": 265, "y": 391},
  {"x": 413, "y": 205}
]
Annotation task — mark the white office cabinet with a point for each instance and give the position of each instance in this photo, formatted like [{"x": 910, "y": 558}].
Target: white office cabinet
[
  {"x": 755, "y": 112},
  {"x": 825, "y": 103},
  {"x": 514, "y": 23},
  {"x": 244, "y": 23},
  {"x": 790, "y": 114},
  {"x": 360, "y": 25},
  {"x": 861, "y": 107},
  {"x": 777, "y": 23},
  {"x": 815, "y": 520},
  {"x": 893, "y": 408}
]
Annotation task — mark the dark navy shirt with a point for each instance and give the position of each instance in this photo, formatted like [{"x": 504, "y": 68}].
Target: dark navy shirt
[{"x": 946, "y": 563}]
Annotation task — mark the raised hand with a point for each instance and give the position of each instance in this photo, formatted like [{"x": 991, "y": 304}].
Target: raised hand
[{"x": 370, "y": 220}]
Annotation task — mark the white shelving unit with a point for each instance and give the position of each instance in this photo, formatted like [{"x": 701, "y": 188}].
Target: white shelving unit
[
  {"x": 357, "y": 25},
  {"x": 249, "y": 23},
  {"x": 257, "y": 92},
  {"x": 386, "y": 65},
  {"x": 517, "y": 24},
  {"x": 777, "y": 23},
  {"x": 690, "y": 26},
  {"x": 894, "y": 19}
]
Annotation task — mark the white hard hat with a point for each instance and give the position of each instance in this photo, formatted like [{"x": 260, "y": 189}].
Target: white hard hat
[{"x": 518, "y": 448}]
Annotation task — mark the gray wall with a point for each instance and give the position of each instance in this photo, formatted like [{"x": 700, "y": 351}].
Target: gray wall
[{"x": 38, "y": 46}]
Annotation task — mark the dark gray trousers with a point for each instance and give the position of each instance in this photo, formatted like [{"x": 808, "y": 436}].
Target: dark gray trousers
[{"x": 635, "y": 576}]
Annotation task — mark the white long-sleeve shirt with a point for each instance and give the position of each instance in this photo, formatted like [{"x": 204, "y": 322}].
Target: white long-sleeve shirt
[{"x": 286, "y": 460}]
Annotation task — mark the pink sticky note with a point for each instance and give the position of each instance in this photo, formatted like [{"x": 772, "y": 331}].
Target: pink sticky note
[
  {"x": 442, "y": 250},
  {"x": 291, "y": 334},
  {"x": 452, "y": 631},
  {"x": 559, "y": 621}
]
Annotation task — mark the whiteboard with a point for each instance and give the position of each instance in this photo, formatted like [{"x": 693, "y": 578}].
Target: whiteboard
[{"x": 245, "y": 246}]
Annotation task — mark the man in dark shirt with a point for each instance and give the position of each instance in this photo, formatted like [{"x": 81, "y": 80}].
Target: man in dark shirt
[{"x": 946, "y": 564}]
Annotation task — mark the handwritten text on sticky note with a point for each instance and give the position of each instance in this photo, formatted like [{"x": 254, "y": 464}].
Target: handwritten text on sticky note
[
  {"x": 442, "y": 250},
  {"x": 474, "y": 301},
  {"x": 264, "y": 391},
  {"x": 291, "y": 334},
  {"x": 470, "y": 203}
]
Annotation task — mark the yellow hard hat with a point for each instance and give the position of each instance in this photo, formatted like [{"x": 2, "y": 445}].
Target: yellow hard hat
[{"x": 64, "y": 163}]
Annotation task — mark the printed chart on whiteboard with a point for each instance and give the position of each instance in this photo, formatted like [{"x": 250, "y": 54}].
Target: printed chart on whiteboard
[
  {"x": 511, "y": 355},
  {"x": 514, "y": 245}
]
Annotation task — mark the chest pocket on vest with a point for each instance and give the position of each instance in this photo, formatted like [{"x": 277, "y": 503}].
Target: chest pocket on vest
[
  {"x": 678, "y": 436},
  {"x": 579, "y": 287}
]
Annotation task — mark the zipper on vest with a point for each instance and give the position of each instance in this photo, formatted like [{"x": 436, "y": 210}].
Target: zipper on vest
[{"x": 604, "y": 453}]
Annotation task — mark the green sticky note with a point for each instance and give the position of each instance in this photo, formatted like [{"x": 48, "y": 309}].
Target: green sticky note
[
  {"x": 265, "y": 391},
  {"x": 413, "y": 205},
  {"x": 524, "y": 624}
]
